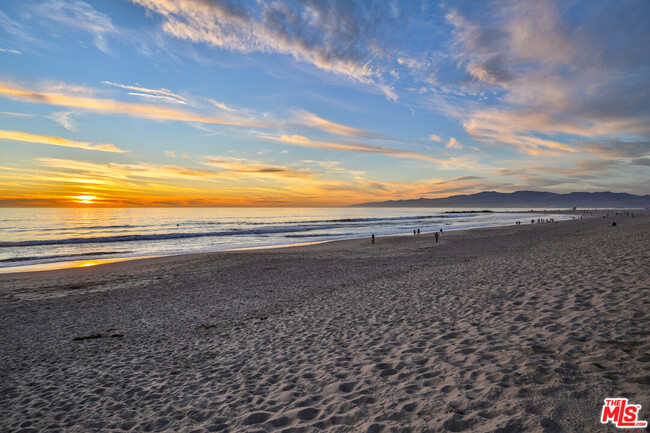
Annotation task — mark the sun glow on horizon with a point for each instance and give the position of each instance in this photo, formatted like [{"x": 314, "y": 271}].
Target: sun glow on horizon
[{"x": 85, "y": 199}]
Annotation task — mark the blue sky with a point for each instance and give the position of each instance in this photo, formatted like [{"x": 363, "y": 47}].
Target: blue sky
[{"x": 287, "y": 103}]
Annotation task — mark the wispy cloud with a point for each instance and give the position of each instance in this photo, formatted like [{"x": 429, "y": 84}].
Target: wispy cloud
[
  {"x": 311, "y": 120},
  {"x": 80, "y": 15},
  {"x": 64, "y": 119},
  {"x": 617, "y": 148},
  {"x": 3, "y": 50},
  {"x": 16, "y": 29},
  {"x": 339, "y": 37},
  {"x": 228, "y": 109},
  {"x": 57, "y": 141},
  {"x": 163, "y": 93},
  {"x": 256, "y": 169},
  {"x": 132, "y": 171},
  {"x": 434, "y": 137},
  {"x": 9, "y": 113},
  {"x": 299, "y": 140},
  {"x": 581, "y": 173},
  {"x": 114, "y": 106}
]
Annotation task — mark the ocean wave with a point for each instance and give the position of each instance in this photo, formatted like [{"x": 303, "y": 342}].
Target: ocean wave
[
  {"x": 71, "y": 229},
  {"x": 159, "y": 236},
  {"x": 352, "y": 220},
  {"x": 317, "y": 235},
  {"x": 60, "y": 256}
]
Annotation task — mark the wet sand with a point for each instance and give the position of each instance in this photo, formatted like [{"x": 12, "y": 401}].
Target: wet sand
[{"x": 516, "y": 329}]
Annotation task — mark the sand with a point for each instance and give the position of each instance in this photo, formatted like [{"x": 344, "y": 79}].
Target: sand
[{"x": 518, "y": 329}]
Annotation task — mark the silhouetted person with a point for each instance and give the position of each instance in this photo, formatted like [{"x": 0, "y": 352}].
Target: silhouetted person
[
  {"x": 436, "y": 237},
  {"x": 418, "y": 231},
  {"x": 414, "y": 233},
  {"x": 373, "y": 238}
]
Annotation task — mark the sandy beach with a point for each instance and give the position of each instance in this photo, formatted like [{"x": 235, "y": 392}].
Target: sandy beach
[{"x": 516, "y": 329}]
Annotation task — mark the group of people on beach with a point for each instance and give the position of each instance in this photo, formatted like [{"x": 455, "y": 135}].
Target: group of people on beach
[
  {"x": 416, "y": 232},
  {"x": 539, "y": 221}
]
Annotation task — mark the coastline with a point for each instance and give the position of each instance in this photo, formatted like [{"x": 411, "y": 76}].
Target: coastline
[
  {"x": 518, "y": 328},
  {"x": 71, "y": 264}
]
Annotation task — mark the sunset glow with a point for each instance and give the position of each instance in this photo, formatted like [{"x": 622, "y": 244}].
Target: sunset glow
[
  {"x": 288, "y": 103},
  {"x": 85, "y": 199}
]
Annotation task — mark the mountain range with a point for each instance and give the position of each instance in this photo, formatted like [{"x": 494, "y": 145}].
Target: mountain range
[{"x": 525, "y": 199}]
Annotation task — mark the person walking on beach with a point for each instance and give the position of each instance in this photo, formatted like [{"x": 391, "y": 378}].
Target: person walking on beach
[
  {"x": 436, "y": 237},
  {"x": 418, "y": 231},
  {"x": 414, "y": 233},
  {"x": 372, "y": 238}
]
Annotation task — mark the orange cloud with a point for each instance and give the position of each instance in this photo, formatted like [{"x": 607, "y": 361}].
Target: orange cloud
[
  {"x": 299, "y": 140},
  {"x": 111, "y": 105},
  {"x": 57, "y": 141},
  {"x": 313, "y": 121},
  {"x": 453, "y": 144},
  {"x": 239, "y": 166},
  {"x": 498, "y": 127}
]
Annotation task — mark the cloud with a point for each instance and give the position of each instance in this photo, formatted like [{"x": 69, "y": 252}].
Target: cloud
[
  {"x": 163, "y": 93},
  {"x": 3, "y": 50},
  {"x": 553, "y": 73},
  {"x": 114, "y": 171},
  {"x": 62, "y": 87},
  {"x": 581, "y": 169},
  {"x": 305, "y": 118},
  {"x": 228, "y": 109},
  {"x": 434, "y": 137},
  {"x": 411, "y": 63},
  {"x": 16, "y": 29},
  {"x": 583, "y": 174},
  {"x": 644, "y": 162},
  {"x": 80, "y": 15},
  {"x": 256, "y": 169},
  {"x": 300, "y": 140},
  {"x": 617, "y": 148},
  {"x": 453, "y": 144},
  {"x": 9, "y": 113},
  {"x": 161, "y": 97},
  {"x": 57, "y": 141},
  {"x": 113, "y": 106},
  {"x": 63, "y": 119},
  {"x": 339, "y": 37},
  {"x": 170, "y": 153},
  {"x": 514, "y": 129}
]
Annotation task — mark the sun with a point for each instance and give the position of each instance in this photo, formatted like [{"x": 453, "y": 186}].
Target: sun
[{"x": 85, "y": 199}]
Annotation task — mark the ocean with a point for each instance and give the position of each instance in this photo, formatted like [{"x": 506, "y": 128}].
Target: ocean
[{"x": 61, "y": 237}]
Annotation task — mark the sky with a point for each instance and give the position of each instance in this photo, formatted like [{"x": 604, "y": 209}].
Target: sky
[{"x": 319, "y": 102}]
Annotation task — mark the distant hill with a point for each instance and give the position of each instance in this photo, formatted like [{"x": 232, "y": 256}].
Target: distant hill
[{"x": 525, "y": 199}]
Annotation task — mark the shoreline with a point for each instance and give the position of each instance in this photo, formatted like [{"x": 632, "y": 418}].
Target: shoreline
[
  {"x": 73, "y": 264},
  {"x": 494, "y": 329}
]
